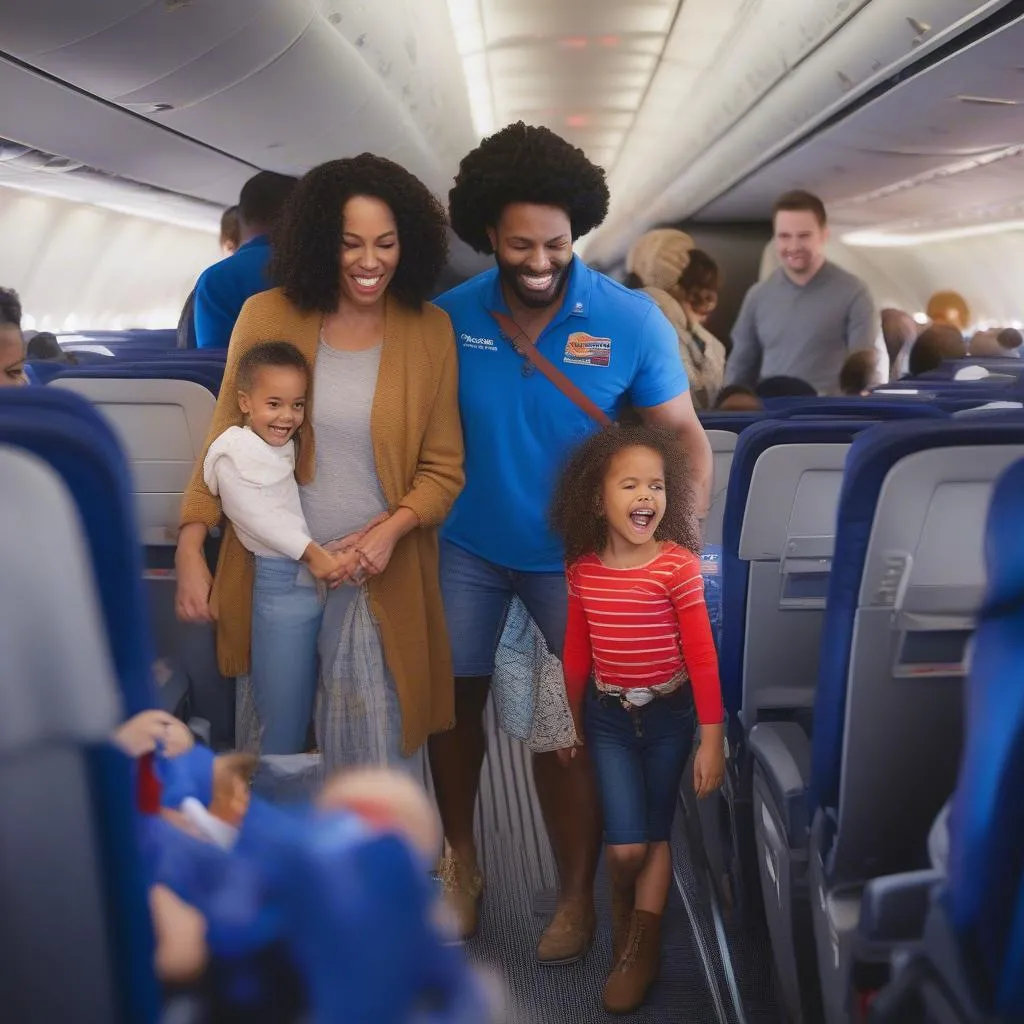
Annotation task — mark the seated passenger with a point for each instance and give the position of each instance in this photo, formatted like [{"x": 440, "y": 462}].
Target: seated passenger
[
  {"x": 934, "y": 346},
  {"x": 899, "y": 331},
  {"x": 222, "y": 289},
  {"x": 860, "y": 373},
  {"x": 950, "y": 309},
  {"x": 632, "y": 690},
  {"x": 738, "y": 398},
  {"x": 784, "y": 387},
  {"x": 252, "y": 469},
  {"x": 12, "y": 341},
  {"x": 1010, "y": 341},
  {"x": 44, "y": 346}
]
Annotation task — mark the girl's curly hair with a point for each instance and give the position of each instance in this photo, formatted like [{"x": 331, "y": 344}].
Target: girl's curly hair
[
  {"x": 525, "y": 164},
  {"x": 307, "y": 242},
  {"x": 575, "y": 512}
]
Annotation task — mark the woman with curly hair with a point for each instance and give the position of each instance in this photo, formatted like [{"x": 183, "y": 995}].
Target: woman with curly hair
[
  {"x": 525, "y": 195},
  {"x": 638, "y": 656},
  {"x": 379, "y": 460}
]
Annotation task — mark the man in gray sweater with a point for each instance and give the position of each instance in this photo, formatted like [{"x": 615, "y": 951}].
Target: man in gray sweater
[{"x": 809, "y": 315}]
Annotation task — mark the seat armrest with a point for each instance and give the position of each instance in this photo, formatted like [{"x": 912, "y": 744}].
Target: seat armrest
[
  {"x": 782, "y": 750},
  {"x": 893, "y": 908}
]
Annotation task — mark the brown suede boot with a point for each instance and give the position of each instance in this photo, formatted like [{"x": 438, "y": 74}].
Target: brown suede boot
[
  {"x": 569, "y": 935},
  {"x": 622, "y": 917},
  {"x": 627, "y": 985}
]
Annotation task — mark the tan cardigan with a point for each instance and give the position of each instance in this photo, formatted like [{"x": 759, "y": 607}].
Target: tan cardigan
[{"x": 417, "y": 445}]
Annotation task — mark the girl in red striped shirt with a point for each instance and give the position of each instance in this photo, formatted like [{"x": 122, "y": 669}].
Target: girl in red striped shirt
[{"x": 639, "y": 656}]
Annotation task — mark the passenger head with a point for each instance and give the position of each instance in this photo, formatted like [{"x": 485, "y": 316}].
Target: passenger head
[
  {"x": 899, "y": 330},
  {"x": 525, "y": 194},
  {"x": 230, "y": 231},
  {"x": 388, "y": 801},
  {"x": 356, "y": 230},
  {"x": 12, "y": 341},
  {"x": 1010, "y": 339},
  {"x": 934, "y": 346},
  {"x": 800, "y": 227},
  {"x": 260, "y": 203},
  {"x": 949, "y": 308},
  {"x": 784, "y": 387},
  {"x": 860, "y": 372},
  {"x": 628, "y": 481},
  {"x": 658, "y": 258},
  {"x": 44, "y": 345},
  {"x": 699, "y": 285},
  {"x": 738, "y": 398},
  {"x": 273, "y": 379}
]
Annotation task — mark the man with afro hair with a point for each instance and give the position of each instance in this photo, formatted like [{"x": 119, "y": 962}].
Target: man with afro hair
[{"x": 525, "y": 195}]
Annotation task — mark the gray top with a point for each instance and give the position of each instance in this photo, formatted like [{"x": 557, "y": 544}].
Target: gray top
[
  {"x": 805, "y": 331},
  {"x": 345, "y": 493}
]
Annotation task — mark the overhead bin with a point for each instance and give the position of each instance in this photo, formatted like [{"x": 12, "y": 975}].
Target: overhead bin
[{"x": 782, "y": 70}]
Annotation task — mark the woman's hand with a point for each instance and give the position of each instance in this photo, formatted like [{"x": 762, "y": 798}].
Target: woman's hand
[
  {"x": 192, "y": 597},
  {"x": 709, "y": 761},
  {"x": 378, "y": 544},
  {"x": 349, "y": 541}
]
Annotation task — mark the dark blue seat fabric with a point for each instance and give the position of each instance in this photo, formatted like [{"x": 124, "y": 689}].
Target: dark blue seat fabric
[
  {"x": 67, "y": 433},
  {"x": 165, "y": 338},
  {"x": 986, "y": 862},
  {"x": 871, "y": 456},
  {"x": 42, "y": 371},
  {"x": 1010, "y": 364},
  {"x": 207, "y": 373},
  {"x": 734, "y": 421}
]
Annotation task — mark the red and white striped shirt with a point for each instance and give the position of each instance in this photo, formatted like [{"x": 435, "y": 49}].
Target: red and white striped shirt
[{"x": 641, "y": 626}]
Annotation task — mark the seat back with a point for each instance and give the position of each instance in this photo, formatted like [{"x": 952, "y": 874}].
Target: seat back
[
  {"x": 58, "y": 700},
  {"x": 738, "y": 611},
  {"x": 205, "y": 372},
  {"x": 905, "y": 586},
  {"x": 162, "y": 425},
  {"x": 987, "y": 819}
]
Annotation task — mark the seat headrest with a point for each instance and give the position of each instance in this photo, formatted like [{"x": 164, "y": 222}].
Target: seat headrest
[
  {"x": 58, "y": 680},
  {"x": 1004, "y": 542}
]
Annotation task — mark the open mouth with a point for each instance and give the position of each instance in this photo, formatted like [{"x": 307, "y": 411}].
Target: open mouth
[
  {"x": 282, "y": 432},
  {"x": 642, "y": 519},
  {"x": 368, "y": 284},
  {"x": 537, "y": 283}
]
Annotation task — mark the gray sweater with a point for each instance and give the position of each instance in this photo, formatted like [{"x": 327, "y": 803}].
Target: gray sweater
[
  {"x": 345, "y": 493},
  {"x": 804, "y": 331}
]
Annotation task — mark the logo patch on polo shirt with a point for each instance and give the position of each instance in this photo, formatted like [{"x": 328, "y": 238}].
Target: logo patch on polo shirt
[{"x": 586, "y": 350}]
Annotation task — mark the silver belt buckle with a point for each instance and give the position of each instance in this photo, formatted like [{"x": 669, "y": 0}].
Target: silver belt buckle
[{"x": 640, "y": 697}]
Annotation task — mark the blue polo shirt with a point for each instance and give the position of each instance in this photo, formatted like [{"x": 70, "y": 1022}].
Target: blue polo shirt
[
  {"x": 614, "y": 344},
  {"x": 222, "y": 289}
]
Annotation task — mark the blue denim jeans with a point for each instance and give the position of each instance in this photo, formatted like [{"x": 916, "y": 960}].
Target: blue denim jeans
[
  {"x": 286, "y": 614},
  {"x": 639, "y": 757},
  {"x": 477, "y": 595}
]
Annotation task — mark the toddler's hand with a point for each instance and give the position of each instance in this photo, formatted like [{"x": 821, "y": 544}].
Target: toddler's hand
[{"x": 142, "y": 734}]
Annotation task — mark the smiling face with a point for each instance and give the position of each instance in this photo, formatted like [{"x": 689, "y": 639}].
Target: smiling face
[
  {"x": 633, "y": 499},
  {"x": 370, "y": 250},
  {"x": 533, "y": 248},
  {"x": 275, "y": 405},
  {"x": 800, "y": 243}
]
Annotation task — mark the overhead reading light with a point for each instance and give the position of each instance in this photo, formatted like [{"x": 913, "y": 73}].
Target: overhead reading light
[{"x": 988, "y": 101}]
